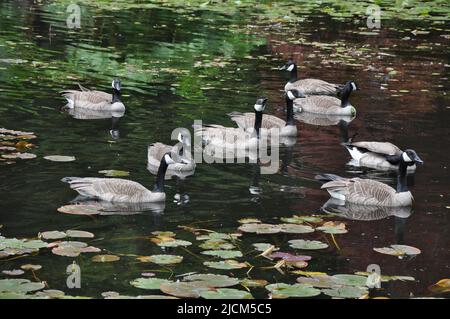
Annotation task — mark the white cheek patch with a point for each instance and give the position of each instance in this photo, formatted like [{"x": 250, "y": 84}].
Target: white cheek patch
[
  {"x": 354, "y": 86},
  {"x": 258, "y": 107},
  {"x": 290, "y": 68},
  {"x": 112, "y": 84},
  {"x": 290, "y": 96},
  {"x": 168, "y": 159},
  {"x": 406, "y": 158},
  {"x": 180, "y": 137}
]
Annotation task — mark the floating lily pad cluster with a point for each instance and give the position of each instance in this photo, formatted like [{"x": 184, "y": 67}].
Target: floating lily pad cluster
[
  {"x": 167, "y": 239},
  {"x": 15, "y": 145},
  {"x": 208, "y": 286},
  {"x": 14, "y": 246}
]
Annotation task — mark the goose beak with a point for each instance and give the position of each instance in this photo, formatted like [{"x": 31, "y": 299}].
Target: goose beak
[
  {"x": 284, "y": 67},
  {"x": 185, "y": 161},
  {"x": 418, "y": 160}
]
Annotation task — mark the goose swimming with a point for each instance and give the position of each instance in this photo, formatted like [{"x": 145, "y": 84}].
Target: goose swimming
[
  {"x": 246, "y": 121},
  {"x": 222, "y": 137},
  {"x": 121, "y": 190},
  {"x": 377, "y": 155},
  {"x": 308, "y": 86},
  {"x": 95, "y": 100},
  {"x": 370, "y": 192},
  {"x": 184, "y": 163},
  {"x": 329, "y": 105}
]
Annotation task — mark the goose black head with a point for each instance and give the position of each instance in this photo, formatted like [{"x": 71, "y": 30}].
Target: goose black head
[
  {"x": 410, "y": 157},
  {"x": 116, "y": 84},
  {"x": 289, "y": 66},
  {"x": 293, "y": 94},
  {"x": 353, "y": 86},
  {"x": 260, "y": 104}
]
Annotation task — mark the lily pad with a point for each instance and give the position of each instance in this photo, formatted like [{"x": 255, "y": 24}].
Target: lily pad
[
  {"x": 283, "y": 290},
  {"x": 253, "y": 282},
  {"x": 213, "y": 280},
  {"x": 216, "y": 244},
  {"x": 59, "y": 158},
  {"x": 333, "y": 228},
  {"x": 14, "y": 272},
  {"x": 346, "y": 292},
  {"x": 105, "y": 258},
  {"x": 149, "y": 283},
  {"x": 349, "y": 280},
  {"x": 399, "y": 250},
  {"x": 442, "y": 286},
  {"x": 19, "y": 285},
  {"x": 31, "y": 267},
  {"x": 289, "y": 257},
  {"x": 53, "y": 234},
  {"x": 296, "y": 229},
  {"x": 302, "y": 219},
  {"x": 225, "y": 265},
  {"x": 307, "y": 244},
  {"x": 322, "y": 281},
  {"x": 114, "y": 173},
  {"x": 19, "y": 156},
  {"x": 79, "y": 234},
  {"x": 184, "y": 289},
  {"x": 174, "y": 243},
  {"x": 225, "y": 254},
  {"x": 226, "y": 293},
  {"x": 249, "y": 220},
  {"x": 162, "y": 259},
  {"x": 73, "y": 248},
  {"x": 260, "y": 228},
  {"x": 264, "y": 246}
]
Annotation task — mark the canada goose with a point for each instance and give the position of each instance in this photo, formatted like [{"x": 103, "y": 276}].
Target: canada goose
[
  {"x": 246, "y": 121},
  {"x": 377, "y": 155},
  {"x": 330, "y": 105},
  {"x": 309, "y": 86},
  {"x": 184, "y": 163},
  {"x": 121, "y": 190},
  {"x": 370, "y": 192},
  {"x": 222, "y": 137},
  {"x": 95, "y": 100}
]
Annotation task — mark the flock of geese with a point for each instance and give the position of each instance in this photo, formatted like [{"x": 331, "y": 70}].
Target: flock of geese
[{"x": 303, "y": 97}]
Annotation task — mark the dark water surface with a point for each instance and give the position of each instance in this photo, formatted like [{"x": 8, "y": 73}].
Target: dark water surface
[{"x": 176, "y": 67}]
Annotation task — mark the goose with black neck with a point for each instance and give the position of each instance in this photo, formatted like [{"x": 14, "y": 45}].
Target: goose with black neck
[{"x": 370, "y": 192}]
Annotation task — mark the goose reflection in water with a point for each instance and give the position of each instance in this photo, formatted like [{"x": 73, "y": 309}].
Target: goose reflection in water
[
  {"x": 123, "y": 208},
  {"x": 87, "y": 114},
  {"x": 358, "y": 212}
]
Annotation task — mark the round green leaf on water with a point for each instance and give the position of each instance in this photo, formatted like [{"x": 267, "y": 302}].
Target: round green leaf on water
[
  {"x": 184, "y": 289},
  {"x": 19, "y": 285},
  {"x": 79, "y": 209},
  {"x": 323, "y": 281},
  {"x": 215, "y": 244},
  {"x": 260, "y": 228},
  {"x": 282, "y": 290},
  {"x": 174, "y": 243},
  {"x": 307, "y": 244},
  {"x": 148, "y": 283},
  {"x": 225, "y": 254},
  {"x": 350, "y": 280},
  {"x": 213, "y": 280},
  {"x": 253, "y": 282},
  {"x": 162, "y": 259},
  {"x": 53, "y": 234},
  {"x": 59, "y": 158},
  {"x": 296, "y": 229},
  {"x": 301, "y": 219},
  {"x": 346, "y": 292},
  {"x": 79, "y": 234},
  {"x": 226, "y": 293},
  {"x": 225, "y": 265}
]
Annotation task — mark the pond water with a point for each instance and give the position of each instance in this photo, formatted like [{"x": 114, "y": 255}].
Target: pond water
[{"x": 178, "y": 65}]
